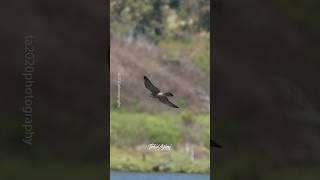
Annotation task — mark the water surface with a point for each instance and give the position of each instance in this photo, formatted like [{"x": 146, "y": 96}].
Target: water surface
[{"x": 115, "y": 175}]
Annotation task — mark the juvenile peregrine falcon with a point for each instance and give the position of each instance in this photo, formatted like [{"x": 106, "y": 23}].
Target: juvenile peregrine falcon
[{"x": 155, "y": 93}]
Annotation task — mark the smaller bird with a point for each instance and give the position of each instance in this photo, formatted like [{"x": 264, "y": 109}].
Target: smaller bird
[
  {"x": 155, "y": 93},
  {"x": 214, "y": 144}
]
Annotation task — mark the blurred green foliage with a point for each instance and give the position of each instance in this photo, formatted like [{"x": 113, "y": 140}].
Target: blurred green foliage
[
  {"x": 159, "y": 18},
  {"x": 196, "y": 47},
  {"x": 136, "y": 128},
  {"x": 125, "y": 160},
  {"x": 178, "y": 27},
  {"x": 130, "y": 132}
]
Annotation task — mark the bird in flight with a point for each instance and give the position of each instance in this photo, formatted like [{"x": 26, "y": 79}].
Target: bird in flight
[
  {"x": 155, "y": 93},
  {"x": 214, "y": 144}
]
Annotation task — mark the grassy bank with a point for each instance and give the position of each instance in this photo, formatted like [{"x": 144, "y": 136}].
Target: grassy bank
[{"x": 186, "y": 133}]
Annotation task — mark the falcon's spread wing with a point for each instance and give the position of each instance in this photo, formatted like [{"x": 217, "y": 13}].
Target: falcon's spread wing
[
  {"x": 166, "y": 101},
  {"x": 150, "y": 86}
]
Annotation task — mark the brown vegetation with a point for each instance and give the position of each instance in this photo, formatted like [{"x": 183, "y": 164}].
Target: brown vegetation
[{"x": 189, "y": 84}]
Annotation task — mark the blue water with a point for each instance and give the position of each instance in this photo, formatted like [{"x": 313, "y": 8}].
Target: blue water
[{"x": 156, "y": 176}]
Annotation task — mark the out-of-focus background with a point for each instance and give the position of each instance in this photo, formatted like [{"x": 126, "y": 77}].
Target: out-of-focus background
[
  {"x": 169, "y": 42},
  {"x": 266, "y": 89},
  {"x": 265, "y": 84},
  {"x": 69, "y": 104}
]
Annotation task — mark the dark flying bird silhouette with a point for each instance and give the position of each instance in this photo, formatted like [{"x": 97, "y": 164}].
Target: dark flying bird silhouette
[
  {"x": 214, "y": 144},
  {"x": 156, "y": 93}
]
